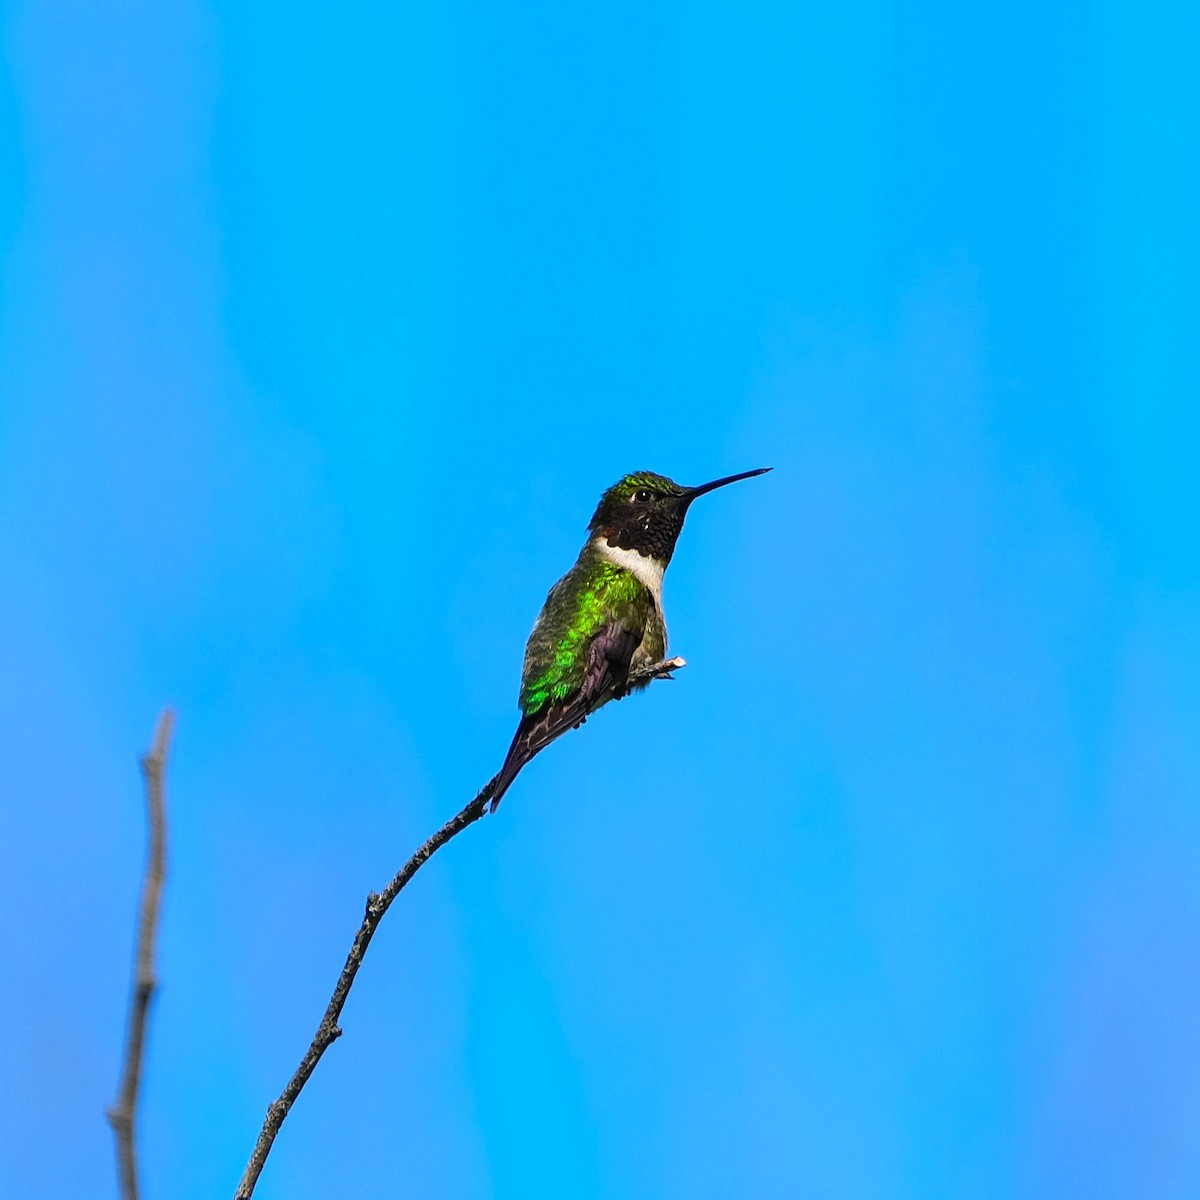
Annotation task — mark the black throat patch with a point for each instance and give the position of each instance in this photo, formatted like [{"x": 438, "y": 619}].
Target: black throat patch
[{"x": 651, "y": 530}]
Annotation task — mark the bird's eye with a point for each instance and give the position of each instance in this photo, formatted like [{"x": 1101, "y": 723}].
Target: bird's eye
[{"x": 643, "y": 496}]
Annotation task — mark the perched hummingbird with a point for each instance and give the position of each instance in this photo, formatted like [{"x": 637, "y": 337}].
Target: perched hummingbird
[{"x": 603, "y": 618}]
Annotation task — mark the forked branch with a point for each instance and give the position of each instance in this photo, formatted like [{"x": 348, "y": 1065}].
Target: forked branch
[
  {"x": 122, "y": 1114},
  {"x": 377, "y": 905}
]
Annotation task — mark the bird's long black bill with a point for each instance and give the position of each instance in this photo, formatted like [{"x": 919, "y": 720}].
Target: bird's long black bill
[{"x": 692, "y": 493}]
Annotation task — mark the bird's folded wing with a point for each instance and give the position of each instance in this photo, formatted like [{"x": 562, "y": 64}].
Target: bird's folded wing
[{"x": 609, "y": 656}]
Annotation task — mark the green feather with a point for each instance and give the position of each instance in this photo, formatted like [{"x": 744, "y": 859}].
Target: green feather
[{"x": 591, "y": 594}]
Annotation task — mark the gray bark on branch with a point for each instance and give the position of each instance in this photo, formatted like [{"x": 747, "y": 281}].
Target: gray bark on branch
[
  {"x": 377, "y": 905},
  {"x": 123, "y": 1113}
]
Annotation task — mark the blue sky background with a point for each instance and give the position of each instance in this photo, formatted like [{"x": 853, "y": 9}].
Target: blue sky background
[{"x": 322, "y": 329}]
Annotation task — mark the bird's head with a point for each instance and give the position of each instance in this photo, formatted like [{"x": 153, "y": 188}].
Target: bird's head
[{"x": 644, "y": 512}]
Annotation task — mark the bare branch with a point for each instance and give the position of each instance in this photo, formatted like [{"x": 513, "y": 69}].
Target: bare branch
[
  {"x": 121, "y": 1115},
  {"x": 377, "y": 904},
  {"x": 658, "y": 670}
]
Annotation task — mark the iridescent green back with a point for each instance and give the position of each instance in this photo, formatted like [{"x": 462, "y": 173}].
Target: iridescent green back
[{"x": 592, "y": 593}]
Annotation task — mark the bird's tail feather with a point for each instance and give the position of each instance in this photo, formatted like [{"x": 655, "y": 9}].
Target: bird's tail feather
[
  {"x": 535, "y": 732},
  {"x": 519, "y": 753}
]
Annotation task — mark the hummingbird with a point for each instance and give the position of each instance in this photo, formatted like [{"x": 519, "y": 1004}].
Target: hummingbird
[{"x": 603, "y": 620}]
